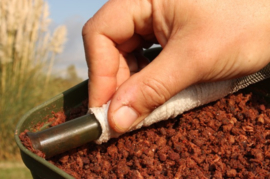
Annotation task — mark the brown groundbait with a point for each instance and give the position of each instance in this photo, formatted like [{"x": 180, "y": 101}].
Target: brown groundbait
[{"x": 226, "y": 139}]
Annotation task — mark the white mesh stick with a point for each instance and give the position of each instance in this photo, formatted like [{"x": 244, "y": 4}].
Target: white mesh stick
[{"x": 185, "y": 100}]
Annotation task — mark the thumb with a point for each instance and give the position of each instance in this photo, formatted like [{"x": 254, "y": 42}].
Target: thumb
[{"x": 151, "y": 87}]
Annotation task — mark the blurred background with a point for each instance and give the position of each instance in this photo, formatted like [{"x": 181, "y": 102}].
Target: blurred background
[{"x": 41, "y": 55}]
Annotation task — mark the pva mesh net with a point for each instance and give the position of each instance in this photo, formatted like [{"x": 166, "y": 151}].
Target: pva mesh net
[{"x": 185, "y": 100}]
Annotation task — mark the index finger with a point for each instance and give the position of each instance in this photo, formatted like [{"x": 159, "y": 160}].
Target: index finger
[{"x": 112, "y": 25}]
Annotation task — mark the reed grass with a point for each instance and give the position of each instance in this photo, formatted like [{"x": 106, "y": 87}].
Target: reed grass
[{"x": 27, "y": 54}]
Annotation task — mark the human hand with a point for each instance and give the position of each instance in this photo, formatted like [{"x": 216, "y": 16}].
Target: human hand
[{"x": 202, "y": 41}]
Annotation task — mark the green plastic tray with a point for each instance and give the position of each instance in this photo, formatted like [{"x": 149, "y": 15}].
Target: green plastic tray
[{"x": 39, "y": 167}]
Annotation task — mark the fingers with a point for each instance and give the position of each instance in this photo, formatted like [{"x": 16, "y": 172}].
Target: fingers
[
  {"x": 102, "y": 69},
  {"x": 149, "y": 88},
  {"x": 106, "y": 46}
]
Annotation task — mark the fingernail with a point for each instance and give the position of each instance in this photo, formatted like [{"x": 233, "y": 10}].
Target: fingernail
[{"x": 124, "y": 117}]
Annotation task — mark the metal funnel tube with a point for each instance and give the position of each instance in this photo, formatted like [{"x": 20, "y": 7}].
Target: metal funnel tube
[{"x": 66, "y": 136}]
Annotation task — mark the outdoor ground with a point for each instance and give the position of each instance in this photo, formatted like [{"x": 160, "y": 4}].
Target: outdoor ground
[{"x": 14, "y": 170}]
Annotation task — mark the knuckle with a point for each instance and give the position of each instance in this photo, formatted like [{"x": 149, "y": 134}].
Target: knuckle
[
  {"x": 86, "y": 27},
  {"x": 154, "y": 92}
]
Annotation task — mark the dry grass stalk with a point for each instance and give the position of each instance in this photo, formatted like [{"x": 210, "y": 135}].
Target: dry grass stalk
[
  {"x": 58, "y": 38},
  {"x": 27, "y": 50}
]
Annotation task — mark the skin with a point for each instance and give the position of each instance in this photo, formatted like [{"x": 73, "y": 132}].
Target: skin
[{"x": 202, "y": 41}]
